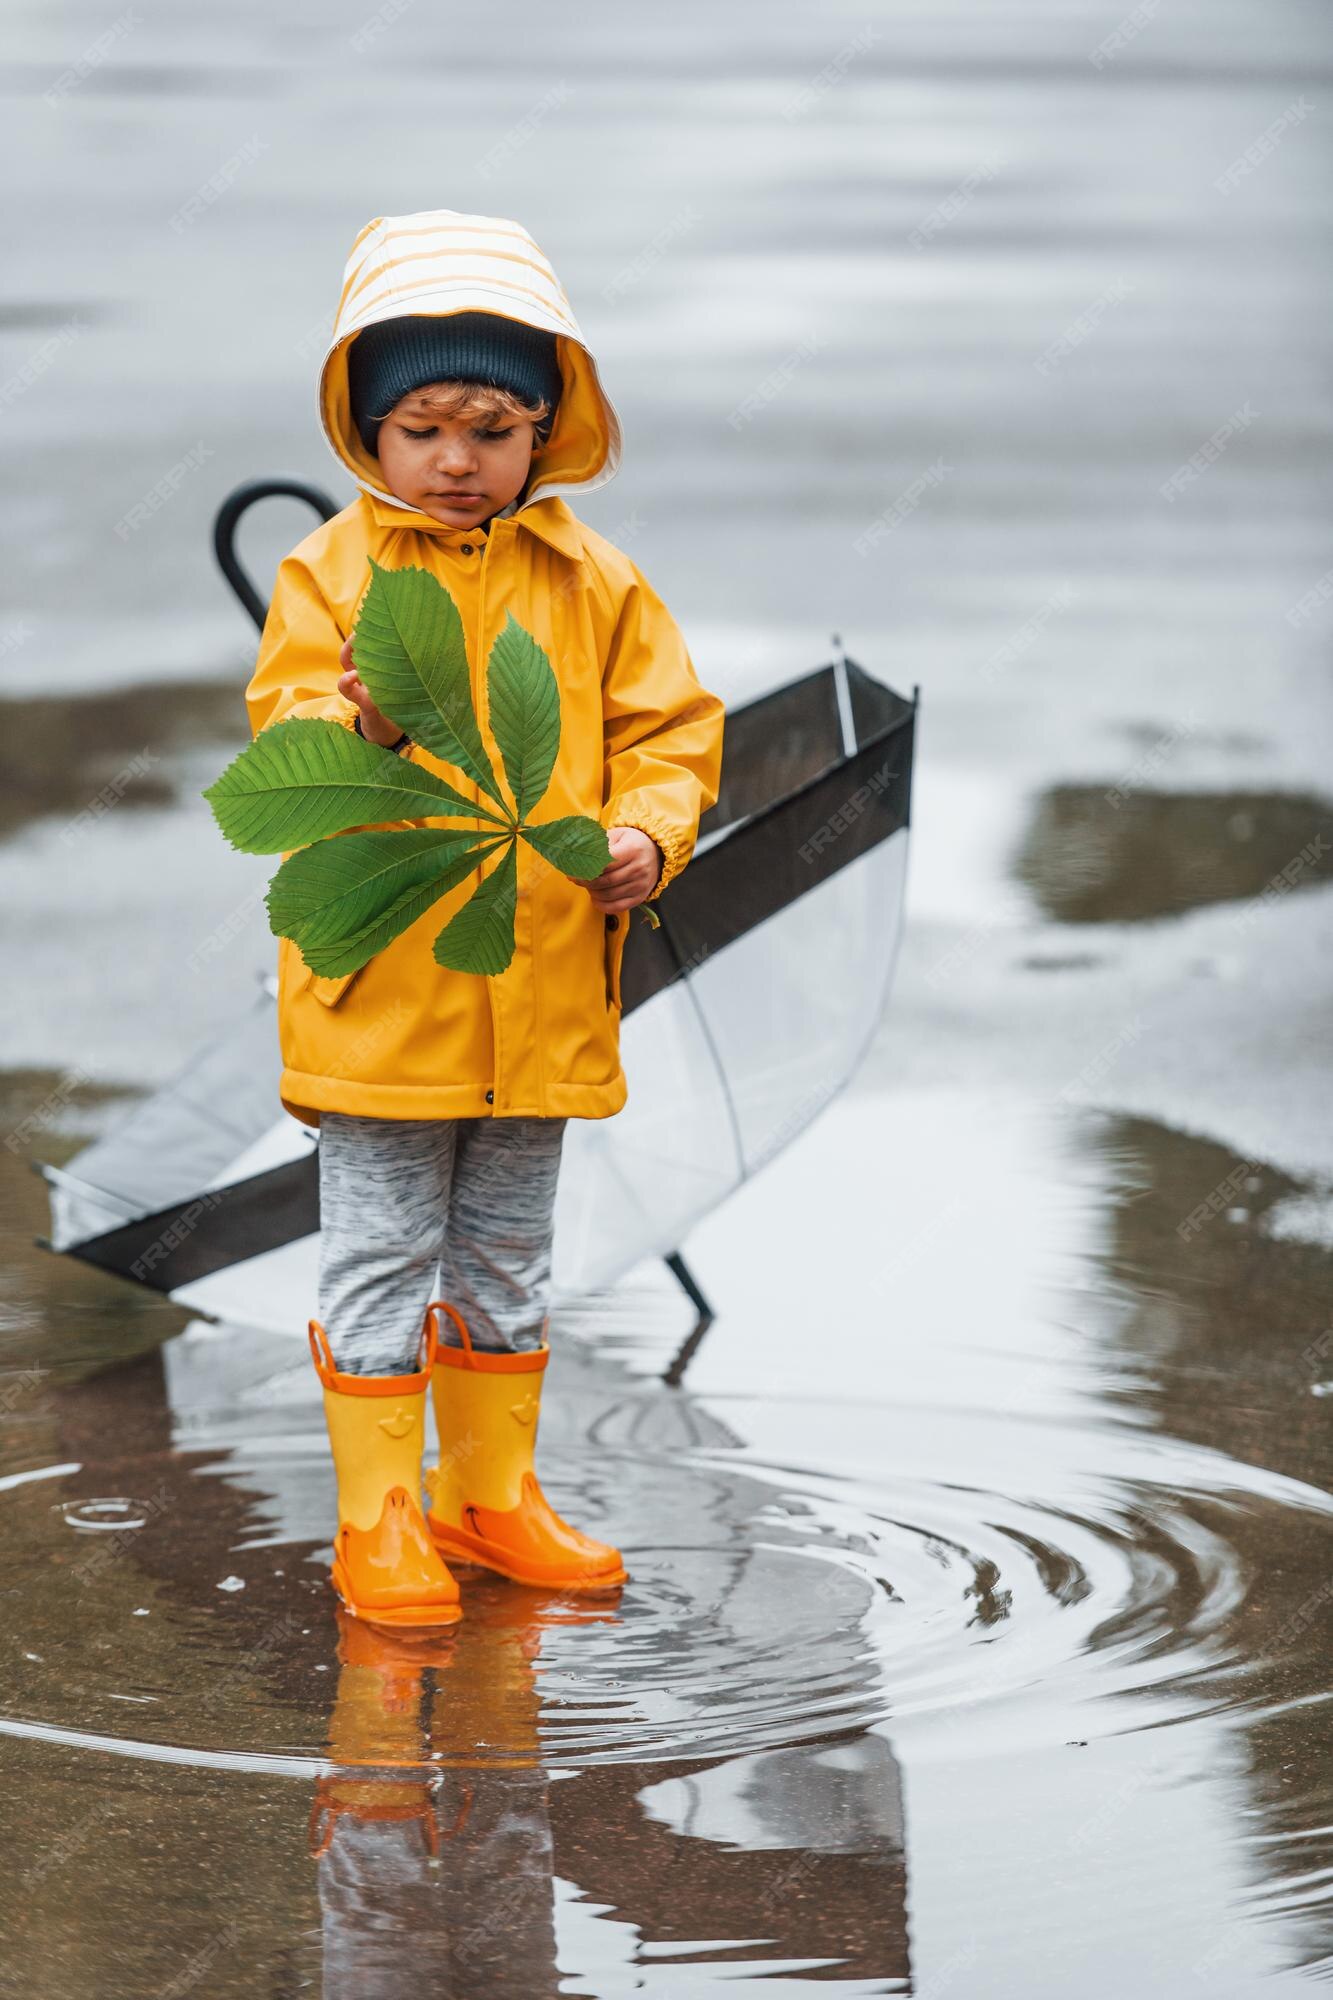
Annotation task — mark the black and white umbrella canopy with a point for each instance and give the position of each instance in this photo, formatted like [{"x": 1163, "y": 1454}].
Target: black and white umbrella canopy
[{"x": 743, "y": 1015}]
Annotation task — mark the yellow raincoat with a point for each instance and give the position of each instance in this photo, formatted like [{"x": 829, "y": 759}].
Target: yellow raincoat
[{"x": 641, "y": 739}]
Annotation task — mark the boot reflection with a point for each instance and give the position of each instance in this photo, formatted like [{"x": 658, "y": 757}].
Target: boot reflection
[
  {"x": 485, "y": 1721},
  {"x": 487, "y": 1708},
  {"x": 376, "y": 1722},
  {"x": 433, "y": 1838},
  {"x": 375, "y": 1835}
]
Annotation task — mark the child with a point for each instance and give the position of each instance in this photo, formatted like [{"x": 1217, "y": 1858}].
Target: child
[{"x": 457, "y": 389}]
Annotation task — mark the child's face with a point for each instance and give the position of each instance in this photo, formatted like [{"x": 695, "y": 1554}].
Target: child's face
[{"x": 460, "y": 470}]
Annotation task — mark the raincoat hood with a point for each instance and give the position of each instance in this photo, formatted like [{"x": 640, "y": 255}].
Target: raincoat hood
[{"x": 443, "y": 261}]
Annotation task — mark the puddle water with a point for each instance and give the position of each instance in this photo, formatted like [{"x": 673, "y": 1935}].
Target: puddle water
[
  {"x": 770, "y": 1605},
  {"x": 61, "y": 760},
  {"x": 1057, "y": 1559},
  {"x": 1117, "y": 854}
]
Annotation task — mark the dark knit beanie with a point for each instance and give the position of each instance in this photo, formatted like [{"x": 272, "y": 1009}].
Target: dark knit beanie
[{"x": 394, "y": 356}]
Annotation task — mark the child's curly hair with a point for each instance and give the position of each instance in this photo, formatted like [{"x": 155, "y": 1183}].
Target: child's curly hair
[{"x": 483, "y": 402}]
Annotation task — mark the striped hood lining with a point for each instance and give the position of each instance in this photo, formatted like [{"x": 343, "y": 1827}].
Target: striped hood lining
[{"x": 443, "y": 261}]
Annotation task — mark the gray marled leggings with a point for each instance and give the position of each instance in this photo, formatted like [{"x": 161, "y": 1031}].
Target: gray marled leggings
[{"x": 397, "y": 1196}]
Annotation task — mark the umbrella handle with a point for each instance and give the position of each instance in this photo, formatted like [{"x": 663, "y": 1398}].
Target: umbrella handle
[{"x": 228, "y": 519}]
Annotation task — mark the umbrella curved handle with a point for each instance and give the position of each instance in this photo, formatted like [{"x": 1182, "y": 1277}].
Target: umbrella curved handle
[{"x": 228, "y": 519}]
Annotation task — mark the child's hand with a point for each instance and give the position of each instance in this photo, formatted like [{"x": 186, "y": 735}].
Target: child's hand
[
  {"x": 632, "y": 872},
  {"x": 375, "y": 727}
]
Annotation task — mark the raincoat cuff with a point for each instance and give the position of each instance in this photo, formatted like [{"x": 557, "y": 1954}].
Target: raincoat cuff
[
  {"x": 402, "y": 746},
  {"x": 675, "y": 851}
]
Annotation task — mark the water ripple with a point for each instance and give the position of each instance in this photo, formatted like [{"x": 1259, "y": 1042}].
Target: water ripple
[{"x": 769, "y": 1605}]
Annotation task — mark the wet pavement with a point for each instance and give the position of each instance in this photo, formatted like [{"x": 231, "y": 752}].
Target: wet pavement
[{"x": 977, "y": 1634}]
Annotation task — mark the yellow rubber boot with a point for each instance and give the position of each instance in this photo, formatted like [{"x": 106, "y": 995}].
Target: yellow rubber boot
[
  {"x": 486, "y": 1505},
  {"x": 386, "y": 1568}
]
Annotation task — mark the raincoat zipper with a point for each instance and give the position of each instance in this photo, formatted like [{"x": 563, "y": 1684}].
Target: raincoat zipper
[{"x": 477, "y": 701}]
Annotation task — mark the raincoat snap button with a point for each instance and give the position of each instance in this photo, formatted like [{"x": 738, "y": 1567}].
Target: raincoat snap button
[
  {"x": 490, "y": 1097},
  {"x": 611, "y": 923},
  {"x": 467, "y": 548}
]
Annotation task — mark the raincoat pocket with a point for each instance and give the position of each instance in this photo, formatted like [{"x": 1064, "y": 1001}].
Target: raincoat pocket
[
  {"x": 331, "y": 991},
  {"x": 617, "y": 930},
  {"x": 299, "y": 976}
]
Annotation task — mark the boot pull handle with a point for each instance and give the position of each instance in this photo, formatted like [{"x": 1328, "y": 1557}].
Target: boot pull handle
[
  {"x": 443, "y": 1305},
  {"x": 325, "y": 1366},
  {"x": 429, "y": 1341}
]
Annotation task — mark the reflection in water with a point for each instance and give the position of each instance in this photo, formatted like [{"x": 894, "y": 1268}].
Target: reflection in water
[
  {"x": 445, "y": 1877},
  {"x": 449, "y": 1872}
]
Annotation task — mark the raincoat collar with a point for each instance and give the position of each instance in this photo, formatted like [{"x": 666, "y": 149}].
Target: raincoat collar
[{"x": 550, "y": 519}]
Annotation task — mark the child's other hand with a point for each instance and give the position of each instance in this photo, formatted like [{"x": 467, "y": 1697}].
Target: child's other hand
[
  {"x": 375, "y": 727},
  {"x": 632, "y": 872}
]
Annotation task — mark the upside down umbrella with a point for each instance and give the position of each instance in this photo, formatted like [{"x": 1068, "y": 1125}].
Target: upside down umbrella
[{"x": 743, "y": 1014}]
